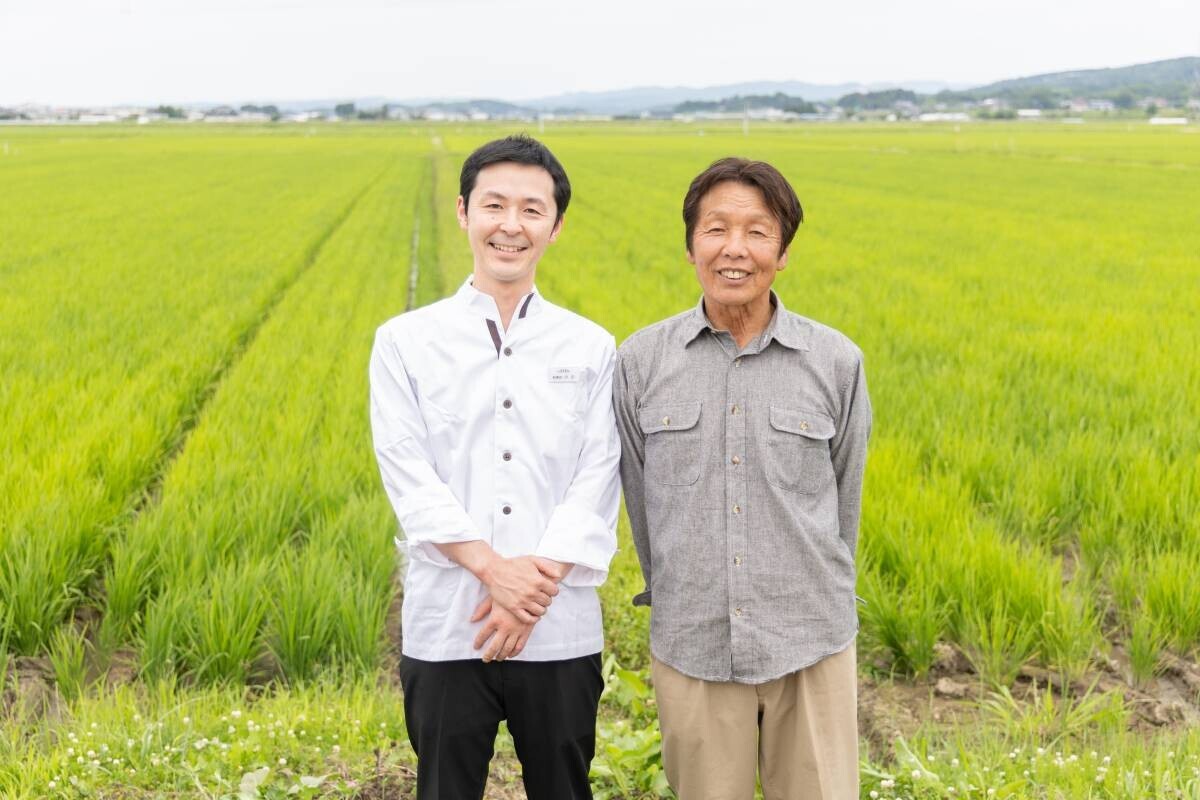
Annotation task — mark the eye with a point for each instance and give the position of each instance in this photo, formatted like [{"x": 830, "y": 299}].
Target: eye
[
  {"x": 533, "y": 211},
  {"x": 492, "y": 205},
  {"x": 715, "y": 230},
  {"x": 757, "y": 234}
]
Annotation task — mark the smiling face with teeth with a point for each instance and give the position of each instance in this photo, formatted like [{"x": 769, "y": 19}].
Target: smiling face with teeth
[
  {"x": 735, "y": 249},
  {"x": 510, "y": 218}
]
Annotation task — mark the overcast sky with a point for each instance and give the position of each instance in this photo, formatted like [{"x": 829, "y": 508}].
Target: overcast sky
[{"x": 80, "y": 52}]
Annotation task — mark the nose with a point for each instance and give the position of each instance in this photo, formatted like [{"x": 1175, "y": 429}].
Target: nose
[
  {"x": 735, "y": 245},
  {"x": 511, "y": 224}
]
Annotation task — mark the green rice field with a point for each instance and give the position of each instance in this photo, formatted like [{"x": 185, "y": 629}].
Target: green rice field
[{"x": 198, "y": 587}]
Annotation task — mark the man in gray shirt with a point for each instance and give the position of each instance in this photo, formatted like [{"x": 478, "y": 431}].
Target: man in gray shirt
[{"x": 744, "y": 433}]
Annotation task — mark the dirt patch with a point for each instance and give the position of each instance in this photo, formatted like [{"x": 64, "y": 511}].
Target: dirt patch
[{"x": 949, "y": 698}]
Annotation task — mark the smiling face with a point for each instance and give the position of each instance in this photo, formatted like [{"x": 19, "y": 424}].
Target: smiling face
[
  {"x": 509, "y": 220},
  {"x": 735, "y": 248}
]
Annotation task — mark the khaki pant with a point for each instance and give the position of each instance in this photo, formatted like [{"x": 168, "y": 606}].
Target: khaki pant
[{"x": 800, "y": 731}]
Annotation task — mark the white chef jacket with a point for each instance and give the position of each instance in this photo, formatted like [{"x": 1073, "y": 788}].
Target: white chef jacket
[{"x": 505, "y": 436}]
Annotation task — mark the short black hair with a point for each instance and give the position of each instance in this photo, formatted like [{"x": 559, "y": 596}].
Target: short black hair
[{"x": 521, "y": 149}]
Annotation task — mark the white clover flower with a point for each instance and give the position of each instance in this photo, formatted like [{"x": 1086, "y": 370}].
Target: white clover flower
[
  {"x": 336, "y": 749},
  {"x": 52, "y": 785},
  {"x": 954, "y": 762},
  {"x": 187, "y": 720},
  {"x": 916, "y": 774},
  {"x": 235, "y": 713},
  {"x": 283, "y": 762},
  {"x": 874, "y": 795}
]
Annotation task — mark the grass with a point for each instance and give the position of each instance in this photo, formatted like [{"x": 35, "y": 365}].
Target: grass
[{"x": 183, "y": 329}]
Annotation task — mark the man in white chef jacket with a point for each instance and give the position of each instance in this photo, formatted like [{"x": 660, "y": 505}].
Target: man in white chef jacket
[{"x": 492, "y": 420}]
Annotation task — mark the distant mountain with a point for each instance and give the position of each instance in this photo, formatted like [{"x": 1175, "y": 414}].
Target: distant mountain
[
  {"x": 659, "y": 98},
  {"x": 493, "y": 108},
  {"x": 1173, "y": 79},
  {"x": 1175, "y": 70},
  {"x": 1176, "y": 78}
]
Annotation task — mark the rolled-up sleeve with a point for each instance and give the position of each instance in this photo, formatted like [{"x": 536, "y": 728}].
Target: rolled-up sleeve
[
  {"x": 426, "y": 508},
  {"x": 848, "y": 451},
  {"x": 582, "y": 529},
  {"x": 633, "y": 461}
]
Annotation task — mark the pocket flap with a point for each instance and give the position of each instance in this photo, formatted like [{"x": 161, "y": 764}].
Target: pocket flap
[
  {"x": 811, "y": 424},
  {"x": 670, "y": 417}
]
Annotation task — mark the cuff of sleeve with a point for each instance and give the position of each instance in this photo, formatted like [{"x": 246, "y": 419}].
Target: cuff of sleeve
[
  {"x": 424, "y": 552},
  {"x": 432, "y": 514},
  {"x": 577, "y": 536},
  {"x": 642, "y": 598}
]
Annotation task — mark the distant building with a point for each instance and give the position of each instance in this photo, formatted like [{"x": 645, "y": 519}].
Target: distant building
[
  {"x": 1029, "y": 113},
  {"x": 944, "y": 116},
  {"x": 1168, "y": 121}
]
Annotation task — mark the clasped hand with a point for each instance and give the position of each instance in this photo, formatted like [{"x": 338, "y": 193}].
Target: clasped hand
[{"x": 520, "y": 591}]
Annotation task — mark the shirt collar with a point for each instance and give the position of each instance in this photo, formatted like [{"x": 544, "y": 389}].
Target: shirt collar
[
  {"x": 785, "y": 328},
  {"x": 529, "y": 305}
]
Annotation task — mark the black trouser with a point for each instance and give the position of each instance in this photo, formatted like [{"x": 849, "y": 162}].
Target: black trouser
[{"x": 452, "y": 710}]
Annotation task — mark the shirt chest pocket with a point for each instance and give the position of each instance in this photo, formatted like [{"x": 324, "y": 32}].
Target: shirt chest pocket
[
  {"x": 797, "y": 457},
  {"x": 673, "y": 452}
]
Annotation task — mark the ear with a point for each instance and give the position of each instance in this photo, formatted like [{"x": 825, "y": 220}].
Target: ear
[
  {"x": 558, "y": 227},
  {"x": 462, "y": 213},
  {"x": 782, "y": 261},
  {"x": 690, "y": 257}
]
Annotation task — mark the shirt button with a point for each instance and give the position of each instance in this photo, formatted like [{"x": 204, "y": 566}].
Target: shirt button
[
  {"x": 666, "y": 420},
  {"x": 507, "y": 456},
  {"x": 507, "y": 404},
  {"x": 737, "y": 362},
  {"x": 737, "y": 509},
  {"x": 737, "y": 612},
  {"x": 735, "y": 460},
  {"x": 734, "y": 410},
  {"x": 507, "y": 509},
  {"x": 803, "y": 425},
  {"x": 508, "y": 351},
  {"x": 737, "y": 561}
]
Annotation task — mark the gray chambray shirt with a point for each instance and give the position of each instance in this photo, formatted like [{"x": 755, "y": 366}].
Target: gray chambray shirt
[{"x": 742, "y": 474}]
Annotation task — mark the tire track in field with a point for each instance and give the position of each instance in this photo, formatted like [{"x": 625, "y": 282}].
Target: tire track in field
[{"x": 193, "y": 409}]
